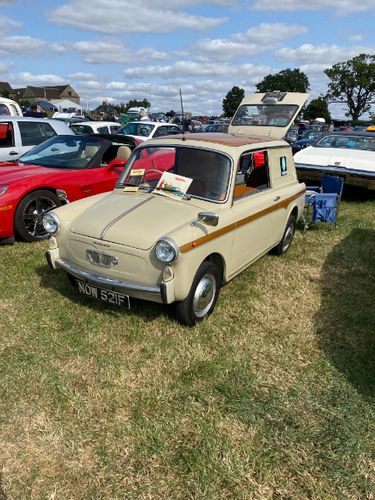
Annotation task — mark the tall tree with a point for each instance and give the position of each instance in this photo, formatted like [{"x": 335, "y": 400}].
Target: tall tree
[
  {"x": 287, "y": 80},
  {"x": 353, "y": 82},
  {"x": 134, "y": 103},
  {"x": 232, "y": 100},
  {"x": 317, "y": 108}
]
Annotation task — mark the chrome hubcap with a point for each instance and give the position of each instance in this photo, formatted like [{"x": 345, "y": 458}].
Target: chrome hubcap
[
  {"x": 288, "y": 237},
  {"x": 204, "y": 295}
]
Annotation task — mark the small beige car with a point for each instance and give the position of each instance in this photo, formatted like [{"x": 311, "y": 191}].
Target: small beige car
[{"x": 188, "y": 214}]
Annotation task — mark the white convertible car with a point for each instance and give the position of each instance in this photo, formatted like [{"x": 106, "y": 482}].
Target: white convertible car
[{"x": 348, "y": 154}]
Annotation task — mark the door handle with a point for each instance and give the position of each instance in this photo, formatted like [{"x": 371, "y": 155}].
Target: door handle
[
  {"x": 13, "y": 153},
  {"x": 276, "y": 198}
]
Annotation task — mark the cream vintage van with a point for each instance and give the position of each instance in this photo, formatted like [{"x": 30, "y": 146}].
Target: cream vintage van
[{"x": 187, "y": 215}]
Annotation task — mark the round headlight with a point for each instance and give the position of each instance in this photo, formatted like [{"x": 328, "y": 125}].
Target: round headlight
[
  {"x": 51, "y": 223},
  {"x": 166, "y": 250}
]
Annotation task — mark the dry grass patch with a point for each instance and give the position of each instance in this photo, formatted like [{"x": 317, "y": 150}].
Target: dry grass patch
[{"x": 271, "y": 397}]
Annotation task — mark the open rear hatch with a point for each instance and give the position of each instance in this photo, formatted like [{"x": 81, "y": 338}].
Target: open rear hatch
[{"x": 269, "y": 114}]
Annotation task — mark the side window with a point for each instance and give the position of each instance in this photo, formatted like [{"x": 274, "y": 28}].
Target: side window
[
  {"x": 103, "y": 130},
  {"x": 161, "y": 131},
  {"x": 48, "y": 131},
  {"x": 174, "y": 130},
  {"x": 6, "y": 135},
  {"x": 33, "y": 133},
  {"x": 4, "y": 110},
  {"x": 252, "y": 174}
]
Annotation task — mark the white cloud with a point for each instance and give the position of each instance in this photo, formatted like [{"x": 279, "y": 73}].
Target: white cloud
[
  {"x": 114, "y": 52},
  {"x": 321, "y": 55},
  {"x": 342, "y": 7},
  {"x": 28, "y": 46},
  {"x": 251, "y": 42},
  {"x": 7, "y": 24},
  {"x": 190, "y": 69},
  {"x": 19, "y": 45},
  {"x": 25, "y": 78},
  {"x": 122, "y": 16}
]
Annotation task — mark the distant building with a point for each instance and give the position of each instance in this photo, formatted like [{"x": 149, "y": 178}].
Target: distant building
[
  {"x": 5, "y": 89},
  {"x": 48, "y": 93}
]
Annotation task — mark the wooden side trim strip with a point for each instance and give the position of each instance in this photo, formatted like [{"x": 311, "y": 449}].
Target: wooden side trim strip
[{"x": 231, "y": 227}]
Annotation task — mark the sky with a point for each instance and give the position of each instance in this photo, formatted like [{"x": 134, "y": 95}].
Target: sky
[{"x": 117, "y": 50}]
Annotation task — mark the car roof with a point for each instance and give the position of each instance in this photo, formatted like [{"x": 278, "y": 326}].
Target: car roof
[
  {"x": 26, "y": 118},
  {"x": 217, "y": 140},
  {"x": 97, "y": 122},
  {"x": 351, "y": 133},
  {"x": 149, "y": 122}
]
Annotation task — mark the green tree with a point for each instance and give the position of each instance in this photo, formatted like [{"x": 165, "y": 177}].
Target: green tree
[
  {"x": 134, "y": 103},
  {"x": 353, "y": 82},
  {"x": 232, "y": 100},
  {"x": 287, "y": 80},
  {"x": 317, "y": 108}
]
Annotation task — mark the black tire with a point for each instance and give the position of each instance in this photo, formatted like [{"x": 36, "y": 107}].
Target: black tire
[
  {"x": 202, "y": 297},
  {"x": 29, "y": 214},
  {"x": 287, "y": 238}
]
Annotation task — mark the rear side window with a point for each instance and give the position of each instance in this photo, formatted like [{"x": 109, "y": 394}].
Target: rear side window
[
  {"x": 252, "y": 174},
  {"x": 6, "y": 135},
  {"x": 103, "y": 130},
  {"x": 33, "y": 133},
  {"x": 4, "y": 109}
]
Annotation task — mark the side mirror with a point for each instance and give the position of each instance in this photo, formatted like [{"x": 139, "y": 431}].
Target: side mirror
[
  {"x": 209, "y": 218},
  {"x": 116, "y": 163}
]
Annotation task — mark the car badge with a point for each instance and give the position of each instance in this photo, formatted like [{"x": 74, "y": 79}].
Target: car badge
[
  {"x": 337, "y": 163},
  {"x": 101, "y": 259}
]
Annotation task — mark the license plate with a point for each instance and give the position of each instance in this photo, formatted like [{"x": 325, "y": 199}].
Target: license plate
[{"x": 104, "y": 295}]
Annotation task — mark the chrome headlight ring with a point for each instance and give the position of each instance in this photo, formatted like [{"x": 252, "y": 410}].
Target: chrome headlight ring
[
  {"x": 167, "y": 250},
  {"x": 51, "y": 223}
]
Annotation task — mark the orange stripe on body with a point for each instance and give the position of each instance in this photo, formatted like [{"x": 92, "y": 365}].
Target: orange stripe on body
[{"x": 231, "y": 227}]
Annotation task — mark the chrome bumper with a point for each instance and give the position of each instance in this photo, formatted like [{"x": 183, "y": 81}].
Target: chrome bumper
[
  {"x": 135, "y": 290},
  {"x": 351, "y": 175}
]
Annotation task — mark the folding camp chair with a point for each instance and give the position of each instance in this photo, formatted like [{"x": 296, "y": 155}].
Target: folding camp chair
[{"x": 325, "y": 199}]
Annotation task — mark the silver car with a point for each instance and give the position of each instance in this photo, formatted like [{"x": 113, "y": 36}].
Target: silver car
[{"x": 18, "y": 134}]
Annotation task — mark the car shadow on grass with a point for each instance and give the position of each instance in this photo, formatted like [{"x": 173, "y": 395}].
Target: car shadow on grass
[
  {"x": 59, "y": 282},
  {"x": 346, "y": 319}
]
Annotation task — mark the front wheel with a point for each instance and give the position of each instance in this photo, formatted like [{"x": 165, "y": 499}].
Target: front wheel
[
  {"x": 28, "y": 218},
  {"x": 202, "y": 297},
  {"x": 287, "y": 238}
]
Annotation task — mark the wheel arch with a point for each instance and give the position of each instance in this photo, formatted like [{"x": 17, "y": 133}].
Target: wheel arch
[
  {"x": 219, "y": 261},
  {"x": 40, "y": 188}
]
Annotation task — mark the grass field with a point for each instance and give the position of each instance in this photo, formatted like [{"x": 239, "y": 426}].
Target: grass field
[{"x": 271, "y": 397}]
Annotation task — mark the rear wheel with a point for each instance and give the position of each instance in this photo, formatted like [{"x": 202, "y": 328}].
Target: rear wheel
[
  {"x": 202, "y": 297},
  {"x": 287, "y": 238},
  {"x": 28, "y": 218}
]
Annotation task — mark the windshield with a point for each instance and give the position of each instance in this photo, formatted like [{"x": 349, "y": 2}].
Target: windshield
[
  {"x": 137, "y": 128},
  {"x": 347, "y": 141},
  {"x": 265, "y": 115},
  {"x": 208, "y": 172},
  {"x": 75, "y": 152}
]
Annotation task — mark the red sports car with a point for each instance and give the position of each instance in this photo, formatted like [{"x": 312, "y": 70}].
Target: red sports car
[{"x": 60, "y": 170}]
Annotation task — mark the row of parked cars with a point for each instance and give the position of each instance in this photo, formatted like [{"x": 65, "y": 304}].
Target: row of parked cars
[{"x": 169, "y": 219}]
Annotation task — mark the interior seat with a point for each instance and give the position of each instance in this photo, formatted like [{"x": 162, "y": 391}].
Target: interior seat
[{"x": 123, "y": 153}]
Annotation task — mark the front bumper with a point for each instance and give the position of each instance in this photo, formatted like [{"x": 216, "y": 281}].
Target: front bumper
[
  {"x": 354, "y": 177},
  {"x": 164, "y": 293}
]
